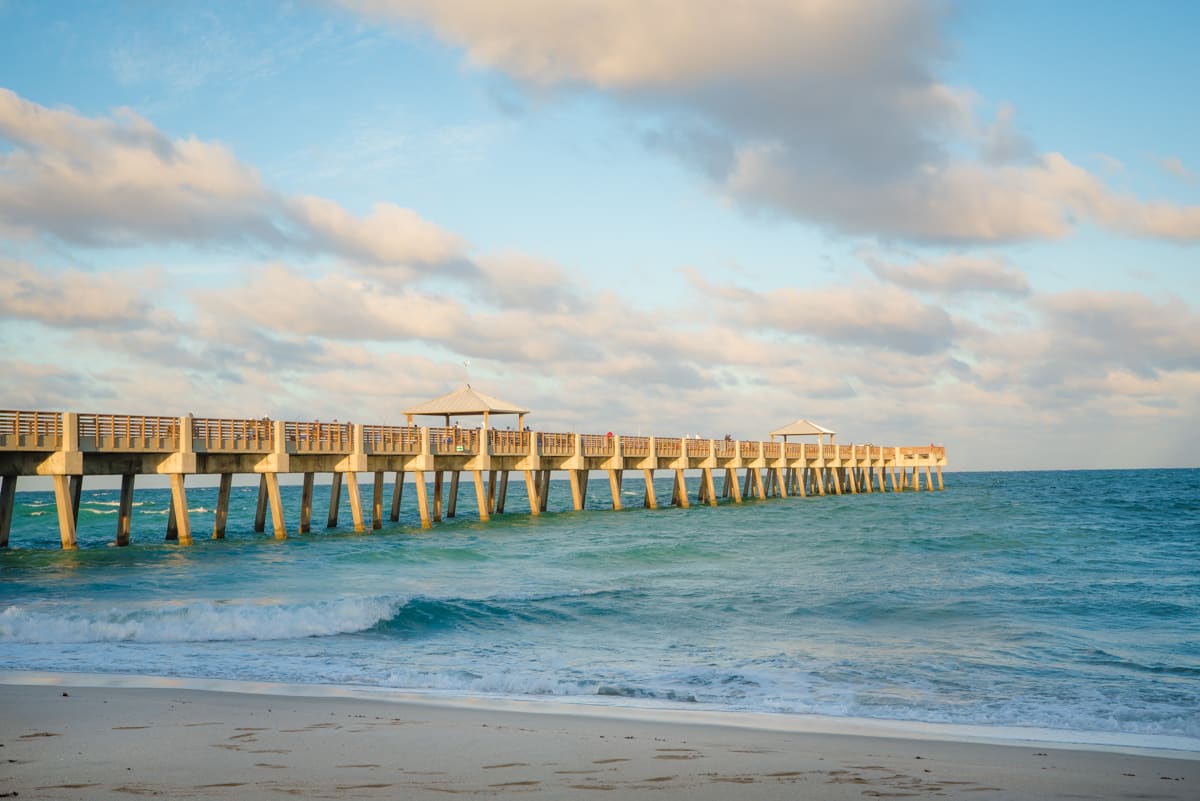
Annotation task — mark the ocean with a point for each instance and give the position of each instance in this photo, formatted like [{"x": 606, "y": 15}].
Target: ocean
[{"x": 1067, "y": 601}]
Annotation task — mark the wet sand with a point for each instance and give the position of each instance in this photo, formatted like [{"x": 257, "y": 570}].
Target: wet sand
[{"x": 88, "y": 742}]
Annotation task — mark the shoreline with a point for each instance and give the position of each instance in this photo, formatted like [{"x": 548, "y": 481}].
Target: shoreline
[
  {"x": 77, "y": 741},
  {"x": 1161, "y": 746}
]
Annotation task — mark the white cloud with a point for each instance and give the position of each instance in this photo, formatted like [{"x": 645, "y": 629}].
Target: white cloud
[
  {"x": 954, "y": 273},
  {"x": 119, "y": 181},
  {"x": 829, "y": 112}
]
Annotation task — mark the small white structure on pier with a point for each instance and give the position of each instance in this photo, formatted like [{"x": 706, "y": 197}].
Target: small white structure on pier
[
  {"x": 803, "y": 428},
  {"x": 467, "y": 402}
]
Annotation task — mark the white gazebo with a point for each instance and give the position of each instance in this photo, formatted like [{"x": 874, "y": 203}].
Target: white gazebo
[
  {"x": 467, "y": 402},
  {"x": 803, "y": 428}
]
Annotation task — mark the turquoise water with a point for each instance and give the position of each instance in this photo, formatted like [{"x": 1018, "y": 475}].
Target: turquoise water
[{"x": 1066, "y": 600}]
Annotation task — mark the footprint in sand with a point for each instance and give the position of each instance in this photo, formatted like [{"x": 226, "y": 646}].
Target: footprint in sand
[
  {"x": 507, "y": 765},
  {"x": 40, "y": 734}
]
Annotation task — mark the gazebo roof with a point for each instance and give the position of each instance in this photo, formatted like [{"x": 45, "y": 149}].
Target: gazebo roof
[
  {"x": 801, "y": 428},
  {"x": 465, "y": 401}
]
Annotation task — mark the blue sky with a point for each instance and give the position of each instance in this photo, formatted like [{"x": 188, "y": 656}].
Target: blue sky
[{"x": 973, "y": 224}]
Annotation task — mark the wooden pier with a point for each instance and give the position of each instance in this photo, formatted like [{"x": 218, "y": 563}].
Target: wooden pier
[{"x": 68, "y": 446}]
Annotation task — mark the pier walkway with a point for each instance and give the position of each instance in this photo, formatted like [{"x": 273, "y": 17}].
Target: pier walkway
[{"x": 68, "y": 446}]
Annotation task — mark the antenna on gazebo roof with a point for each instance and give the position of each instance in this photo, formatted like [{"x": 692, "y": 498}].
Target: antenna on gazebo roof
[{"x": 467, "y": 371}]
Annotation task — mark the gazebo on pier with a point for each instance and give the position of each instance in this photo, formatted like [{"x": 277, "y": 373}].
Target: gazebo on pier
[
  {"x": 804, "y": 428},
  {"x": 467, "y": 402}
]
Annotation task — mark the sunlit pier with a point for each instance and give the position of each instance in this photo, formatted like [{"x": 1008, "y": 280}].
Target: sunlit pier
[{"x": 67, "y": 446}]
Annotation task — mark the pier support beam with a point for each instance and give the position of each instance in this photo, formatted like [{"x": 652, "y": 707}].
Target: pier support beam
[
  {"x": 278, "y": 526},
  {"x": 377, "y": 502},
  {"x": 735, "y": 486},
  {"x": 260, "y": 511},
  {"x": 66, "y": 520},
  {"x": 76, "y": 494},
  {"x": 481, "y": 499},
  {"x": 183, "y": 523},
  {"x": 452, "y": 504},
  {"x": 679, "y": 491},
  {"x": 531, "y": 489},
  {"x": 224, "y": 488},
  {"x": 544, "y": 490},
  {"x": 397, "y": 494},
  {"x": 355, "y": 498},
  {"x": 651, "y": 498},
  {"x": 939, "y": 472},
  {"x": 573, "y": 478},
  {"x": 8, "y": 500},
  {"x": 306, "y": 499},
  {"x": 335, "y": 500},
  {"x": 503, "y": 492},
  {"x": 422, "y": 498},
  {"x": 124, "y": 510},
  {"x": 491, "y": 492},
  {"x": 725, "y": 483},
  {"x": 760, "y": 485},
  {"x": 439, "y": 478},
  {"x": 781, "y": 487},
  {"x": 749, "y": 486},
  {"x": 709, "y": 489},
  {"x": 614, "y": 484}
]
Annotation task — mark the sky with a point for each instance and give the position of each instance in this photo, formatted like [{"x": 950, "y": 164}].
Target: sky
[{"x": 974, "y": 224}]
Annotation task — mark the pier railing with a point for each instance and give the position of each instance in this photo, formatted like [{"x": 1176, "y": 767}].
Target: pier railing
[
  {"x": 31, "y": 430},
  {"x": 117, "y": 433},
  {"x": 317, "y": 437},
  {"x": 402, "y": 440},
  {"x": 214, "y": 435},
  {"x": 454, "y": 440},
  {"x": 508, "y": 443},
  {"x": 635, "y": 446},
  {"x": 123, "y": 432},
  {"x": 598, "y": 444},
  {"x": 552, "y": 444},
  {"x": 668, "y": 446}
]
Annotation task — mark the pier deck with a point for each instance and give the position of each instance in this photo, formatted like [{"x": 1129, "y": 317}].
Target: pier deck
[{"x": 68, "y": 446}]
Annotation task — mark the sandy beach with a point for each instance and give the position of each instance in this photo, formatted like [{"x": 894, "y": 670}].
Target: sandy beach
[{"x": 84, "y": 742}]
